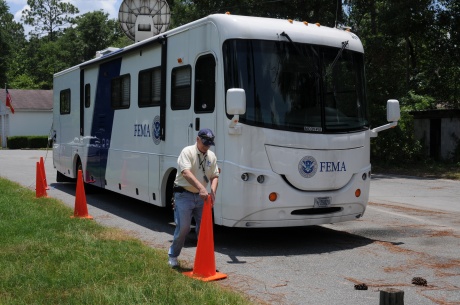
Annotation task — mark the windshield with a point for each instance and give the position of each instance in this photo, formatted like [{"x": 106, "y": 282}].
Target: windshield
[{"x": 296, "y": 86}]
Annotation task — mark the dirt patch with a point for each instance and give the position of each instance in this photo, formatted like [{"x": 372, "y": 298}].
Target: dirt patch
[
  {"x": 441, "y": 301},
  {"x": 444, "y": 233},
  {"x": 394, "y": 248},
  {"x": 377, "y": 283},
  {"x": 444, "y": 265},
  {"x": 244, "y": 284},
  {"x": 415, "y": 211}
]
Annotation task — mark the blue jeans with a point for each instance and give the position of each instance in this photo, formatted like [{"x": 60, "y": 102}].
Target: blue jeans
[{"x": 186, "y": 205}]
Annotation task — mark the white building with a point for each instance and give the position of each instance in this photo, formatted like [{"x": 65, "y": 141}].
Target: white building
[
  {"x": 33, "y": 114},
  {"x": 439, "y": 131}
]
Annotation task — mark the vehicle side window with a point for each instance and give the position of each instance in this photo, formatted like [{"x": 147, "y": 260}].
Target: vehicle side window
[
  {"x": 87, "y": 95},
  {"x": 64, "y": 101},
  {"x": 121, "y": 92},
  {"x": 181, "y": 89},
  {"x": 205, "y": 84},
  {"x": 149, "y": 87}
]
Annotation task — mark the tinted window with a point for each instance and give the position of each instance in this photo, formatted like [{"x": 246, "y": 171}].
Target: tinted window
[
  {"x": 149, "y": 87},
  {"x": 121, "y": 92},
  {"x": 87, "y": 95},
  {"x": 181, "y": 89},
  {"x": 205, "y": 84},
  {"x": 64, "y": 101}
]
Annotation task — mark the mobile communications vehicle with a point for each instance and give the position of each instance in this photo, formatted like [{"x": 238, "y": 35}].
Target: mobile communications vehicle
[{"x": 286, "y": 100}]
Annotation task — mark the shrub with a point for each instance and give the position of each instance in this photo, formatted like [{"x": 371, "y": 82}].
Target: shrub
[
  {"x": 17, "y": 142},
  {"x": 21, "y": 142},
  {"x": 38, "y": 142},
  {"x": 397, "y": 145}
]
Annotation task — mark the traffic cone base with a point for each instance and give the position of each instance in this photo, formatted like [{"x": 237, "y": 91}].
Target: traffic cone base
[
  {"x": 204, "y": 268},
  {"x": 85, "y": 216},
  {"x": 81, "y": 209},
  {"x": 215, "y": 277}
]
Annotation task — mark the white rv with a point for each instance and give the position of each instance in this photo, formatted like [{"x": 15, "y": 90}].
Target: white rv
[{"x": 286, "y": 100}]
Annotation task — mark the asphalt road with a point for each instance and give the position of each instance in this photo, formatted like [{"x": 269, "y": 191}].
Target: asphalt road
[{"x": 410, "y": 229}]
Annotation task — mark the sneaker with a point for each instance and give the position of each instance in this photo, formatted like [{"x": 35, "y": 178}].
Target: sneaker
[{"x": 172, "y": 261}]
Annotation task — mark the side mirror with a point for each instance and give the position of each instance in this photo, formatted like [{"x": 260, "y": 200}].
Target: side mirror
[
  {"x": 393, "y": 115},
  {"x": 236, "y": 101},
  {"x": 393, "y": 112}
]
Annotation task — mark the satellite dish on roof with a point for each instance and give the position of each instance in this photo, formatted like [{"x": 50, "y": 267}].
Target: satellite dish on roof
[{"x": 141, "y": 19}]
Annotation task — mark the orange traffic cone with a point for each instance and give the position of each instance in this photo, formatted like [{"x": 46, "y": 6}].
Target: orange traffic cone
[
  {"x": 205, "y": 263},
  {"x": 81, "y": 209},
  {"x": 42, "y": 167},
  {"x": 40, "y": 190}
]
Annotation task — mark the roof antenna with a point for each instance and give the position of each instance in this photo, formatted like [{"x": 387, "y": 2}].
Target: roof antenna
[
  {"x": 336, "y": 13},
  {"x": 142, "y": 19}
]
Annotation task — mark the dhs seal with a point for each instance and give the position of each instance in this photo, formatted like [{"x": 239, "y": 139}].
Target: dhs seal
[
  {"x": 156, "y": 130},
  {"x": 308, "y": 167}
]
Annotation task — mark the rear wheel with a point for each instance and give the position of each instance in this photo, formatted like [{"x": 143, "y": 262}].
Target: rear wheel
[
  {"x": 60, "y": 177},
  {"x": 79, "y": 165}
]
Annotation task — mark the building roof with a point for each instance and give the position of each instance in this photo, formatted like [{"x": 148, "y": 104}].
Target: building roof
[
  {"x": 436, "y": 114},
  {"x": 29, "y": 99}
]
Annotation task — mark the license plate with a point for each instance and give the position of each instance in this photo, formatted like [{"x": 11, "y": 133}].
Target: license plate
[{"x": 322, "y": 202}]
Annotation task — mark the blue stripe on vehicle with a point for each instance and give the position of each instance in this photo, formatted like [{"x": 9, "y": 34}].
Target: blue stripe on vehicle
[{"x": 101, "y": 129}]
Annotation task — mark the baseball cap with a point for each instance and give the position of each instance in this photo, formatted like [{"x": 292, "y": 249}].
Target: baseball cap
[{"x": 207, "y": 137}]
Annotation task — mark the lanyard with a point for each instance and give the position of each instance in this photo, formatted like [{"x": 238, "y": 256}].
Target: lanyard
[{"x": 202, "y": 163}]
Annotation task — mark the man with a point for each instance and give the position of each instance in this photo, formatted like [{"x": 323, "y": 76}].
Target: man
[{"x": 197, "y": 166}]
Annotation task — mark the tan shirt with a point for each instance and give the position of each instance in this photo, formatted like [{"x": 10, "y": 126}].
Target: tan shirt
[{"x": 194, "y": 160}]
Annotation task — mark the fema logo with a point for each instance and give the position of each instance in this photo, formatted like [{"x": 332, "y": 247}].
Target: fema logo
[
  {"x": 156, "y": 130},
  {"x": 308, "y": 167}
]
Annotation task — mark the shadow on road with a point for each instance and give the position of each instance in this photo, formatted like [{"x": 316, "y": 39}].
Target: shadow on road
[
  {"x": 389, "y": 177},
  {"x": 236, "y": 242},
  {"x": 233, "y": 242},
  {"x": 152, "y": 217}
]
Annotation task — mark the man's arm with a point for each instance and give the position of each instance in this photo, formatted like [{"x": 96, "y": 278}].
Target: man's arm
[
  {"x": 214, "y": 183},
  {"x": 190, "y": 177}
]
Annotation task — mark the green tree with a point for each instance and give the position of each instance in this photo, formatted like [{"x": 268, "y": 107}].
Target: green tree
[
  {"x": 4, "y": 46},
  {"x": 118, "y": 38},
  {"x": 90, "y": 32},
  {"x": 11, "y": 40},
  {"x": 48, "y": 16},
  {"x": 82, "y": 41},
  {"x": 91, "y": 40},
  {"x": 399, "y": 39},
  {"x": 442, "y": 64},
  {"x": 326, "y": 13}
]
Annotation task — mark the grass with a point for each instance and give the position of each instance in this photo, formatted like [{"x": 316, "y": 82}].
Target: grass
[
  {"x": 46, "y": 257},
  {"x": 422, "y": 169}
]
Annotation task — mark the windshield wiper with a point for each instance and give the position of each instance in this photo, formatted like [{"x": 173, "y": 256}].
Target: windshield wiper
[
  {"x": 292, "y": 43},
  {"x": 313, "y": 69},
  {"x": 339, "y": 54}
]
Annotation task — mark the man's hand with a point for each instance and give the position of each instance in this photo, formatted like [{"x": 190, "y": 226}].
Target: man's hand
[{"x": 203, "y": 193}]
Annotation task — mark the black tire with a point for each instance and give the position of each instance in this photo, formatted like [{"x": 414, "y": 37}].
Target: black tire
[
  {"x": 89, "y": 188},
  {"x": 60, "y": 177}
]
